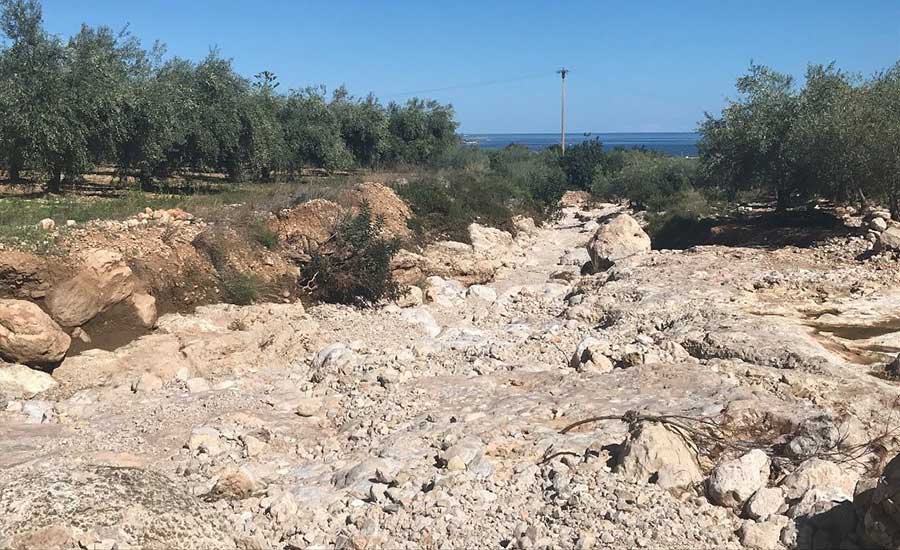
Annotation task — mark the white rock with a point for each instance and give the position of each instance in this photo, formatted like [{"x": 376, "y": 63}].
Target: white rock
[
  {"x": 413, "y": 297},
  {"x": 732, "y": 483},
  {"x": 489, "y": 241},
  {"x": 205, "y": 439},
  {"x": 765, "y": 502},
  {"x": 19, "y": 379},
  {"x": 283, "y": 508},
  {"x": 30, "y": 336},
  {"x": 763, "y": 536},
  {"x": 618, "y": 237},
  {"x": 877, "y": 224},
  {"x": 650, "y": 447},
  {"x": 590, "y": 356},
  {"x": 444, "y": 292},
  {"x": 197, "y": 385},
  {"x": 817, "y": 472},
  {"x": 47, "y": 224},
  {"x": 147, "y": 382},
  {"x": 482, "y": 292}
]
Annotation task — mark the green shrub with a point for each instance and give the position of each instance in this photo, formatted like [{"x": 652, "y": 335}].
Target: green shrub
[
  {"x": 580, "y": 162},
  {"x": 263, "y": 234},
  {"x": 353, "y": 267},
  {"x": 647, "y": 180},
  {"x": 241, "y": 288},
  {"x": 683, "y": 223}
]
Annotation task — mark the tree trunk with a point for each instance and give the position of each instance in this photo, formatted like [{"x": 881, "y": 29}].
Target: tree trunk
[{"x": 55, "y": 184}]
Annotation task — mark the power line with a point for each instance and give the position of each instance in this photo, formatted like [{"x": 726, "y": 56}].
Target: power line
[{"x": 471, "y": 85}]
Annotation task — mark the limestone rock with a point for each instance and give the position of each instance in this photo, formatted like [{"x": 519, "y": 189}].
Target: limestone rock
[
  {"x": 482, "y": 292},
  {"x": 877, "y": 224},
  {"x": 490, "y": 241},
  {"x": 333, "y": 359},
  {"x": 732, "y": 483},
  {"x": 444, "y": 292},
  {"x": 21, "y": 380},
  {"x": 817, "y": 472},
  {"x": 144, "y": 307},
  {"x": 889, "y": 239},
  {"x": 144, "y": 508},
  {"x": 765, "y": 502},
  {"x": 104, "y": 280},
  {"x": 650, "y": 447},
  {"x": 30, "y": 336},
  {"x": 47, "y": 224},
  {"x": 765, "y": 535},
  {"x": 618, "y": 237},
  {"x": 590, "y": 356},
  {"x": 880, "y": 508},
  {"x": 411, "y": 298}
]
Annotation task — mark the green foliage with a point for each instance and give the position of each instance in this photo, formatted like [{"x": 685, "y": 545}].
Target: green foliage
[
  {"x": 836, "y": 137},
  {"x": 312, "y": 132},
  {"x": 420, "y": 131},
  {"x": 241, "y": 288},
  {"x": 263, "y": 234},
  {"x": 100, "y": 99},
  {"x": 647, "y": 180},
  {"x": 580, "y": 162},
  {"x": 683, "y": 222},
  {"x": 353, "y": 267},
  {"x": 515, "y": 182}
]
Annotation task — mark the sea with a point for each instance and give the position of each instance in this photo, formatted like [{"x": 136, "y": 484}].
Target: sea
[{"x": 683, "y": 144}]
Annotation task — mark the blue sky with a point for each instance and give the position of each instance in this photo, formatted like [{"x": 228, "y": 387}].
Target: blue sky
[{"x": 636, "y": 66}]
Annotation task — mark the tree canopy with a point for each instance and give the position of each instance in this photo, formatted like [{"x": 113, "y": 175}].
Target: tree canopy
[{"x": 101, "y": 99}]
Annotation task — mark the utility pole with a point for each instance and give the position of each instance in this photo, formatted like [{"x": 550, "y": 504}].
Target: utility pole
[{"x": 562, "y": 125}]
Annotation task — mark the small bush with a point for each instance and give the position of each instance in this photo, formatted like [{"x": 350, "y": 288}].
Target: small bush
[
  {"x": 263, "y": 234},
  {"x": 647, "y": 180},
  {"x": 684, "y": 223},
  {"x": 353, "y": 267},
  {"x": 241, "y": 288}
]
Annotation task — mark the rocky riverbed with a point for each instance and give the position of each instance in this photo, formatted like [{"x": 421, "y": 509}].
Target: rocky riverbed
[{"x": 743, "y": 395}]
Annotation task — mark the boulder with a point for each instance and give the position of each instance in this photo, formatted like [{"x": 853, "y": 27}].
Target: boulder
[
  {"x": 139, "y": 508},
  {"x": 651, "y": 447},
  {"x": 618, "y": 237},
  {"x": 817, "y": 472},
  {"x": 144, "y": 307},
  {"x": 877, "y": 224},
  {"x": 880, "y": 508},
  {"x": 444, "y": 292},
  {"x": 490, "y": 241},
  {"x": 104, "y": 280},
  {"x": 411, "y": 298},
  {"x": 30, "y": 336},
  {"x": 765, "y": 535},
  {"x": 732, "y": 483},
  {"x": 20, "y": 380},
  {"x": 448, "y": 259},
  {"x": 482, "y": 292},
  {"x": 766, "y": 502},
  {"x": 889, "y": 239},
  {"x": 591, "y": 356}
]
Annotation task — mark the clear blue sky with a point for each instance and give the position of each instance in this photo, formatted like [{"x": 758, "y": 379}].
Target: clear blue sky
[{"x": 636, "y": 66}]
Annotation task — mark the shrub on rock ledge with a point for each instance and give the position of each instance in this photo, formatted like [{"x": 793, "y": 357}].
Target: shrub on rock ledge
[{"x": 353, "y": 265}]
